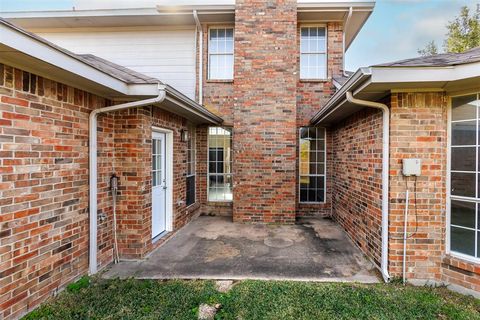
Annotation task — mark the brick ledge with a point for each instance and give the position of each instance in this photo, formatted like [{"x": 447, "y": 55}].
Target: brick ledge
[{"x": 460, "y": 265}]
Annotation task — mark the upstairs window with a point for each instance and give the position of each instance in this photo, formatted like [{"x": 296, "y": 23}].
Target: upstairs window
[
  {"x": 220, "y": 54},
  {"x": 313, "y": 53},
  {"x": 312, "y": 165}
]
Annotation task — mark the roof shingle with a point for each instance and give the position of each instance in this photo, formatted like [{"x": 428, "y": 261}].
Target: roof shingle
[{"x": 438, "y": 60}]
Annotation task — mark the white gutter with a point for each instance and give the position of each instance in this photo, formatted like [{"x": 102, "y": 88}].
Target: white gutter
[
  {"x": 385, "y": 175},
  {"x": 93, "y": 166},
  {"x": 345, "y": 25},
  {"x": 200, "y": 57}
]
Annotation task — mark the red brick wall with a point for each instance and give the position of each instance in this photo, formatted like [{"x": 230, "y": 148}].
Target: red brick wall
[
  {"x": 418, "y": 130},
  {"x": 265, "y": 111},
  {"x": 44, "y": 185},
  {"x": 357, "y": 179}
]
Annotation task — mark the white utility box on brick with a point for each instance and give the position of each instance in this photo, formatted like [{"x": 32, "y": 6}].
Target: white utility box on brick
[{"x": 412, "y": 167}]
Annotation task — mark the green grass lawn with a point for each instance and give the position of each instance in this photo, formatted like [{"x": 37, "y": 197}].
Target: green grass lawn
[{"x": 149, "y": 299}]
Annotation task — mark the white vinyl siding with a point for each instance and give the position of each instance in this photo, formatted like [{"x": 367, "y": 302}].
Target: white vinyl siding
[{"x": 167, "y": 54}]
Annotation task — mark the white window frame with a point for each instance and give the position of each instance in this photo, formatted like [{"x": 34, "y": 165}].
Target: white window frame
[
  {"x": 215, "y": 174},
  {"x": 451, "y": 197},
  {"x": 209, "y": 64},
  {"x": 325, "y": 53},
  {"x": 193, "y": 138},
  {"x": 324, "y": 175}
]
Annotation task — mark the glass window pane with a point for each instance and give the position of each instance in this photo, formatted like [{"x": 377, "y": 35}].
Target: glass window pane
[
  {"x": 190, "y": 196},
  {"x": 228, "y": 67},
  {"x": 463, "y": 213},
  {"x": 462, "y": 240},
  {"x": 463, "y": 158},
  {"x": 303, "y": 67},
  {"x": 312, "y": 164},
  {"x": 463, "y": 184},
  {"x": 219, "y": 166},
  {"x": 303, "y": 195},
  {"x": 228, "y": 188},
  {"x": 464, "y": 108},
  {"x": 213, "y": 33},
  {"x": 213, "y": 46},
  {"x": 464, "y": 133},
  {"x": 229, "y": 46},
  {"x": 303, "y": 133},
  {"x": 213, "y": 66},
  {"x": 321, "y": 32},
  {"x": 320, "y": 168}
]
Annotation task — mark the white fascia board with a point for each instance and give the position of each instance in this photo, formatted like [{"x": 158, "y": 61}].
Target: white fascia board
[
  {"x": 79, "y": 13},
  {"x": 425, "y": 74},
  {"x": 204, "y": 9},
  {"x": 23, "y": 43},
  {"x": 369, "y": 5},
  {"x": 142, "y": 90}
]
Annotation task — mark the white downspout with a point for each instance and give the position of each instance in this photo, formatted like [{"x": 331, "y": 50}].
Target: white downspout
[
  {"x": 200, "y": 57},
  {"x": 385, "y": 175},
  {"x": 347, "y": 22},
  {"x": 92, "y": 131}
]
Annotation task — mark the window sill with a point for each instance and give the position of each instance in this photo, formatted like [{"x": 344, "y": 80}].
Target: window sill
[
  {"x": 219, "y": 202},
  {"x": 311, "y": 203},
  {"x": 316, "y": 80},
  {"x": 219, "y": 80},
  {"x": 192, "y": 206}
]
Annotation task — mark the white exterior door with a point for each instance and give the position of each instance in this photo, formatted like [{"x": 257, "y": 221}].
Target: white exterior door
[{"x": 159, "y": 184}]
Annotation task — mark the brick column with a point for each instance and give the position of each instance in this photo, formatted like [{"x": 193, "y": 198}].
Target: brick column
[
  {"x": 133, "y": 166},
  {"x": 264, "y": 134},
  {"x": 418, "y": 130}
]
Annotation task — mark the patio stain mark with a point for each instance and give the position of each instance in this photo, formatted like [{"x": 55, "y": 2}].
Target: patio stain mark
[
  {"x": 220, "y": 250},
  {"x": 276, "y": 242}
]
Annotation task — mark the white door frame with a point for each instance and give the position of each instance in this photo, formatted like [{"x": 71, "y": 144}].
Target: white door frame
[{"x": 168, "y": 176}]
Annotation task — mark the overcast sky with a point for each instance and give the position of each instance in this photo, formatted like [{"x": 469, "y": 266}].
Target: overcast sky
[{"x": 395, "y": 30}]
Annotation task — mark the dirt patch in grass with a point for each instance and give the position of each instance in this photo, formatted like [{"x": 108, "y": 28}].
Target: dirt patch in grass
[{"x": 150, "y": 299}]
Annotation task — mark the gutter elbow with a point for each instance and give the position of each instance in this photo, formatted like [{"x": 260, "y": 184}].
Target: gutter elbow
[{"x": 162, "y": 93}]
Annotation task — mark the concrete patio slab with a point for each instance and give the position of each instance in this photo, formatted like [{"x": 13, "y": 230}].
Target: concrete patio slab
[{"x": 216, "y": 248}]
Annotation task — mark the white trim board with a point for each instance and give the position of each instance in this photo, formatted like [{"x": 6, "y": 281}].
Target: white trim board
[{"x": 169, "y": 176}]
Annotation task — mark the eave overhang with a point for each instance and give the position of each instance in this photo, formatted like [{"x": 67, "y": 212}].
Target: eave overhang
[
  {"x": 25, "y": 51},
  {"x": 375, "y": 83},
  {"x": 181, "y": 15}
]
